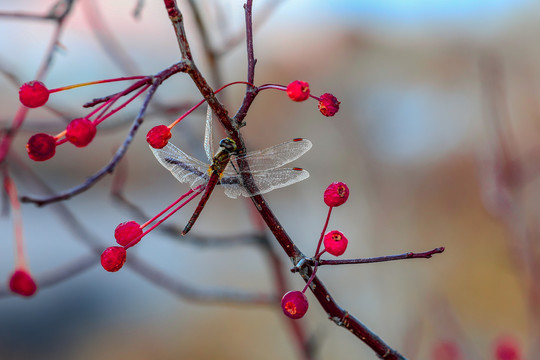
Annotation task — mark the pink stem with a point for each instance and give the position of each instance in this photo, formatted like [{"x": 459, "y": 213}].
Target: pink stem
[
  {"x": 317, "y": 255},
  {"x": 11, "y": 190},
  {"x": 315, "y": 267},
  {"x": 202, "y": 101},
  {"x": 100, "y": 119},
  {"x": 166, "y": 209},
  {"x": 97, "y": 82},
  {"x": 136, "y": 240}
]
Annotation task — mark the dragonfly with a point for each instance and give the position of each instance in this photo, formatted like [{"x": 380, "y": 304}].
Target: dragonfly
[{"x": 224, "y": 170}]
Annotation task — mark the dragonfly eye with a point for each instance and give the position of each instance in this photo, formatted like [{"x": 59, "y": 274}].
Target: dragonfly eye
[{"x": 228, "y": 144}]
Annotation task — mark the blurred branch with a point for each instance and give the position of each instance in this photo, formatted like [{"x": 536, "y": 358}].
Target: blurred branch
[
  {"x": 106, "y": 38},
  {"x": 190, "y": 293},
  {"x": 59, "y": 13}
]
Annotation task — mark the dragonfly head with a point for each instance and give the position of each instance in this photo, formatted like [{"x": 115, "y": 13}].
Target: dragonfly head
[{"x": 228, "y": 144}]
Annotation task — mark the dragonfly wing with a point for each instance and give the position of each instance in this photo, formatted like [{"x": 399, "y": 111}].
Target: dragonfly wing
[
  {"x": 275, "y": 156},
  {"x": 264, "y": 181},
  {"x": 184, "y": 168},
  {"x": 208, "y": 135}
]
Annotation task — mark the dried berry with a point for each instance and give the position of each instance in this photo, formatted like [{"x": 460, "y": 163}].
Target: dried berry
[
  {"x": 336, "y": 194},
  {"x": 33, "y": 94},
  {"x": 22, "y": 283},
  {"x": 126, "y": 232},
  {"x": 335, "y": 242},
  {"x": 298, "y": 90},
  {"x": 158, "y": 136},
  {"x": 80, "y": 132},
  {"x": 294, "y": 304},
  {"x": 41, "y": 147},
  {"x": 328, "y": 104},
  {"x": 113, "y": 258}
]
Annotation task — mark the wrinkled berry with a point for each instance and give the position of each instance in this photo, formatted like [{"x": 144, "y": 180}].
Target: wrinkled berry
[
  {"x": 113, "y": 258},
  {"x": 328, "y": 104},
  {"x": 41, "y": 147}
]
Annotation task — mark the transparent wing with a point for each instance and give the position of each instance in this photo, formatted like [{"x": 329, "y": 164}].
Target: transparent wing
[
  {"x": 273, "y": 157},
  {"x": 184, "y": 168},
  {"x": 208, "y": 135},
  {"x": 264, "y": 181}
]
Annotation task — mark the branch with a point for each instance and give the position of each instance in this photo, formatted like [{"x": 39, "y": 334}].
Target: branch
[
  {"x": 405, "y": 256},
  {"x": 251, "y": 92},
  {"x": 194, "y": 294},
  {"x": 206, "y": 91}
]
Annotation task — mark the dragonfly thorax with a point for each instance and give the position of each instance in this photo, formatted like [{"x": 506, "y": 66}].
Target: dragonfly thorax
[{"x": 227, "y": 147}]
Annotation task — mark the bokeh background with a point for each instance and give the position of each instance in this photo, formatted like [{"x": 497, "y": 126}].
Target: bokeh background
[{"x": 436, "y": 138}]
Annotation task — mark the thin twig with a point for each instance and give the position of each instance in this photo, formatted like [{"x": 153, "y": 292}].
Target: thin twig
[{"x": 405, "y": 256}]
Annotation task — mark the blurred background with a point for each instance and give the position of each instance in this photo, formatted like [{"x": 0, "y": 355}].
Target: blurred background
[{"x": 436, "y": 138}]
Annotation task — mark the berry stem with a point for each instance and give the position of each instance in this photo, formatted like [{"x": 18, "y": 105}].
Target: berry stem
[
  {"x": 96, "y": 82},
  {"x": 317, "y": 255},
  {"x": 167, "y": 208},
  {"x": 202, "y": 102},
  {"x": 273, "y": 86},
  {"x": 281, "y": 88},
  {"x": 136, "y": 240},
  {"x": 11, "y": 190},
  {"x": 100, "y": 118},
  {"x": 315, "y": 268}
]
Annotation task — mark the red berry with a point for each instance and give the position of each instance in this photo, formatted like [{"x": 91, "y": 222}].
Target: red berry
[
  {"x": 22, "y": 283},
  {"x": 335, "y": 242},
  {"x": 33, "y": 94},
  {"x": 113, "y": 258},
  {"x": 298, "y": 90},
  {"x": 328, "y": 104},
  {"x": 126, "y": 232},
  {"x": 294, "y": 304},
  {"x": 158, "y": 136},
  {"x": 336, "y": 194},
  {"x": 80, "y": 132},
  {"x": 41, "y": 147},
  {"x": 507, "y": 348}
]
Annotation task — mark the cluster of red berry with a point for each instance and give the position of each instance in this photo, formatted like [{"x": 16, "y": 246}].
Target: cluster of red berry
[
  {"x": 129, "y": 233},
  {"x": 81, "y": 131},
  {"x": 295, "y": 303}
]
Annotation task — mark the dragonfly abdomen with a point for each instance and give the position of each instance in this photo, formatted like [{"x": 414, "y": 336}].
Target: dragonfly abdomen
[{"x": 205, "y": 196}]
